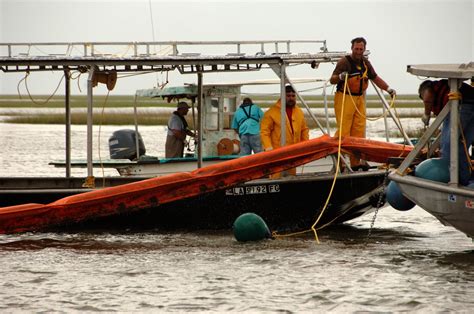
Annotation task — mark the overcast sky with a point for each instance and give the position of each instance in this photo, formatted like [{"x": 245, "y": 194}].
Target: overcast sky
[{"x": 398, "y": 32}]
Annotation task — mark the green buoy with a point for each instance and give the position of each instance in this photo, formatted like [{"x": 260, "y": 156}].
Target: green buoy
[{"x": 250, "y": 227}]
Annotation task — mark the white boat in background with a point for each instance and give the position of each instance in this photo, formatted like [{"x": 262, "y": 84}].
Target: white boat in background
[{"x": 450, "y": 203}]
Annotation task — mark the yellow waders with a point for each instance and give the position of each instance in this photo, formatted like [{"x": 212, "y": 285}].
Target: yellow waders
[{"x": 353, "y": 121}]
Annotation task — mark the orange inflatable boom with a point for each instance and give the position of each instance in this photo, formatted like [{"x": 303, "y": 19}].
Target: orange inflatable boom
[{"x": 151, "y": 193}]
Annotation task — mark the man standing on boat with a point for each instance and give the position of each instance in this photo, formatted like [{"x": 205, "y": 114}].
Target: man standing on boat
[
  {"x": 435, "y": 95},
  {"x": 177, "y": 131},
  {"x": 296, "y": 128},
  {"x": 352, "y": 75},
  {"x": 246, "y": 123}
]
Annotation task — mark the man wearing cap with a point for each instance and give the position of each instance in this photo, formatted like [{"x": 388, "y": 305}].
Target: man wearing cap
[
  {"x": 177, "y": 131},
  {"x": 296, "y": 128}
]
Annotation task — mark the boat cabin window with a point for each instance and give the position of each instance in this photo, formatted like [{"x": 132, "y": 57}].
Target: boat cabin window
[
  {"x": 229, "y": 111},
  {"x": 219, "y": 112},
  {"x": 212, "y": 113}
]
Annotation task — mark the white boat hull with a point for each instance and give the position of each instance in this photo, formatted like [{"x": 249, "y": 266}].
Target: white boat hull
[{"x": 452, "y": 206}]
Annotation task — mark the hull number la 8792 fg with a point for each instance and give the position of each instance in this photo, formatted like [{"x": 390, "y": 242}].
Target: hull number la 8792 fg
[{"x": 254, "y": 189}]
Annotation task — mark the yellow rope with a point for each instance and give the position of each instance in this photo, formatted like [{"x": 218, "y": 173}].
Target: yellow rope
[
  {"x": 339, "y": 154},
  {"x": 337, "y": 164},
  {"x": 458, "y": 96},
  {"x": 454, "y": 96},
  {"x": 313, "y": 227},
  {"x": 392, "y": 105}
]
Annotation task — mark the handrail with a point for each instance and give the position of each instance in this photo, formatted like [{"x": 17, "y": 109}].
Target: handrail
[{"x": 142, "y": 48}]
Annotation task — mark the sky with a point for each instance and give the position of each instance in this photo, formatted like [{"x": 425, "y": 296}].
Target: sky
[{"x": 398, "y": 33}]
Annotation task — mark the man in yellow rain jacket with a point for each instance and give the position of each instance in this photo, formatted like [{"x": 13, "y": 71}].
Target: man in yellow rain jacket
[
  {"x": 358, "y": 71},
  {"x": 296, "y": 128}
]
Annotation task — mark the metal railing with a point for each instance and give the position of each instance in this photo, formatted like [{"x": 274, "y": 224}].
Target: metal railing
[{"x": 169, "y": 48}]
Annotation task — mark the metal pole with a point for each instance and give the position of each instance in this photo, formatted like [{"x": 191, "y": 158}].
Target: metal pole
[
  {"x": 387, "y": 106},
  {"x": 89, "y": 121},
  {"x": 307, "y": 108},
  {"x": 283, "y": 105},
  {"x": 135, "y": 113},
  {"x": 326, "y": 111},
  {"x": 200, "y": 118},
  {"x": 425, "y": 138},
  {"x": 454, "y": 135},
  {"x": 68, "y": 121}
]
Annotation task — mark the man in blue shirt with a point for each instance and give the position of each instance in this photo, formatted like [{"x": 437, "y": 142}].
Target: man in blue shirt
[{"x": 246, "y": 123}]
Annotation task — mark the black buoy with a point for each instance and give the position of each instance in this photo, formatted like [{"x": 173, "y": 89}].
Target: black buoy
[
  {"x": 250, "y": 227},
  {"x": 396, "y": 199}
]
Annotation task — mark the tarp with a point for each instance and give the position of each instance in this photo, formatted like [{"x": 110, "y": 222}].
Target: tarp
[{"x": 151, "y": 193}]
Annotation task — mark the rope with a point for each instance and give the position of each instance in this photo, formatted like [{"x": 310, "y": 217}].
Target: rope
[
  {"x": 313, "y": 227},
  {"x": 458, "y": 96},
  {"x": 392, "y": 105},
  {"x": 78, "y": 77},
  {"x": 339, "y": 154},
  {"x": 454, "y": 96},
  {"x": 337, "y": 164},
  {"x": 466, "y": 150},
  {"x": 28, "y": 90}
]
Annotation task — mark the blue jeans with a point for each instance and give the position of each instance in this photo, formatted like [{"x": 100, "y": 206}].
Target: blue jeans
[
  {"x": 466, "y": 115},
  {"x": 249, "y": 142}
]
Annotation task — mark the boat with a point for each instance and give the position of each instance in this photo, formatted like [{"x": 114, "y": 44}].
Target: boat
[
  {"x": 285, "y": 203},
  {"x": 451, "y": 203},
  {"x": 188, "y": 200}
]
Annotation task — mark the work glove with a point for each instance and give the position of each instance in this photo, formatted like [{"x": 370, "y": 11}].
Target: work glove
[
  {"x": 392, "y": 92},
  {"x": 426, "y": 119},
  {"x": 342, "y": 76}
]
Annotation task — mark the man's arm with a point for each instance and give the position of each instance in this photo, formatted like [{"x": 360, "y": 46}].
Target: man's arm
[
  {"x": 341, "y": 66},
  {"x": 380, "y": 83}
]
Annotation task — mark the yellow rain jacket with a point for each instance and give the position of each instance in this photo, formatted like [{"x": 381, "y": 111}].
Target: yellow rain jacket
[{"x": 270, "y": 127}]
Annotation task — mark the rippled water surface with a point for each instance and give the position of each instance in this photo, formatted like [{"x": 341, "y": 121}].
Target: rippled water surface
[{"x": 410, "y": 262}]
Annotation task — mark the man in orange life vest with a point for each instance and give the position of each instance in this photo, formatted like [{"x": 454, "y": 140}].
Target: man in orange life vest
[{"x": 358, "y": 71}]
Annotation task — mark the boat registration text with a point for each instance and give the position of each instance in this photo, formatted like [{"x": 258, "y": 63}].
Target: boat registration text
[{"x": 254, "y": 189}]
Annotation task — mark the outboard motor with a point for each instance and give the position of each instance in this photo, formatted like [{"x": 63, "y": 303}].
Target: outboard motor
[{"x": 122, "y": 145}]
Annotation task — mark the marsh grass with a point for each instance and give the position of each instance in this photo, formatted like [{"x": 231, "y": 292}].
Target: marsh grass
[
  {"x": 122, "y": 101},
  {"x": 98, "y": 119}
]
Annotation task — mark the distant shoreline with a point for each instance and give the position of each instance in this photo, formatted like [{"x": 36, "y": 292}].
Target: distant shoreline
[{"x": 118, "y": 110}]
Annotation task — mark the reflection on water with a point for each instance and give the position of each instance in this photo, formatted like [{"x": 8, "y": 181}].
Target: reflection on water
[{"x": 410, "y": 262}]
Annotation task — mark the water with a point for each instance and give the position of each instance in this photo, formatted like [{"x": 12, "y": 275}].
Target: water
[{"x": 411, "y": 262}]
